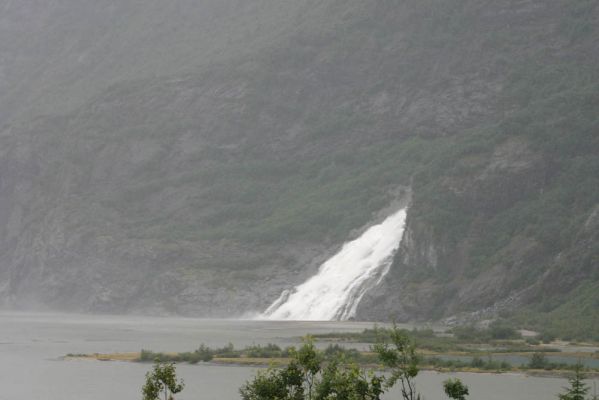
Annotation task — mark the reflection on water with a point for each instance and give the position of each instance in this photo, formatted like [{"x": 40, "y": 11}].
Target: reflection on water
[{"x": 31, "y": 347}]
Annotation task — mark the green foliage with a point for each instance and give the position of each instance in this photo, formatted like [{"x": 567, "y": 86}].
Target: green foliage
[
  {"x": 568, "y": 316},
  {"x": 497, "y": 330},
  {"x": 306, "y": 377},
  {"x": 366, "y": 336},
  {"x": 455, "y": 389},
  {"x": 291, "y": 382},
  {"x": 476, "y": 363},
  {"x": 501, "y": 330},
  {"x": 547, "y": 337},
  {"x": 578, "y": 389},
  {"x": 162, "y": 380},
  {"x": 348, "y": 383},
  {"x": 309, "y": 361},
  {"x": 537, "y": 361},
  {"x": 271, "y": 384},
  {"x": 268, "y": 351},
  {"x": 202, "y": 353},
  {"x": 227, "y": 351},
  {"x": 500, "y": 334},
  {"x": 335, "y": 351},
  {"x": 400, "y": 357}
]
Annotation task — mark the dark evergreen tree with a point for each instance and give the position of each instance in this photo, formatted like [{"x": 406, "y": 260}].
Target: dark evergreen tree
[{"x": 578, "y": 389}]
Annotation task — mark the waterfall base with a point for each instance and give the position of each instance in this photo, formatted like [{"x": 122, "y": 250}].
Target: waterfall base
[{"x": 336, "y": 290}]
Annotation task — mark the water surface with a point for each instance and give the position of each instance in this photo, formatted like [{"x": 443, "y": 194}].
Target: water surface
[{"x": 31, "y": 368}]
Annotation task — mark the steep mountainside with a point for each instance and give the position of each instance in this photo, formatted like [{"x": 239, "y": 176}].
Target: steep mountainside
[{"x": 199, "y": 157}]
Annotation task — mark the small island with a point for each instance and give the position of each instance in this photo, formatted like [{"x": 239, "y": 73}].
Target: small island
[{"x": 495, "y": 349}]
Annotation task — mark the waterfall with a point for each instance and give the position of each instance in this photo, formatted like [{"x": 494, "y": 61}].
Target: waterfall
[{"x": 336, "y": 290}]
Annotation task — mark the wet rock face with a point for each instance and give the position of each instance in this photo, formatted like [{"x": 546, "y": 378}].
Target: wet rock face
[{"x": 432, "y": 277}]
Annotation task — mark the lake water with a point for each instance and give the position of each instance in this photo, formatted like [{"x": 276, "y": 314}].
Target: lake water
[
  {"x": 519, "y": 360},
  {"x": 31, "y": 368}
]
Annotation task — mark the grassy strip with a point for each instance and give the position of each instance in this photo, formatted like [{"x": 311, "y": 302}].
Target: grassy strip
[
  {"x": 497, "y": 338},
  {"x": 130, "y": 356},
  {"x": 272, "y": 354},
  {"x": 477, "y": 365}
]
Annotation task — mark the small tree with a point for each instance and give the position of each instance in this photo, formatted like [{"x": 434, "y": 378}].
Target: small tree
[
  {"x": 455, "y": 389},
  {"x": 161, "y": 380},
  {"x": 280, "y": 384},
  {"x": 537, "y": 361},
  {"x": 577, "y": 389},
  {"x": 309, "y": 361},
  {"x": 309, "y": 377},
  {"x": 294, "y": 382},
  {"x": 401, "y": 358},
  {"x": 348, "y": 383}
]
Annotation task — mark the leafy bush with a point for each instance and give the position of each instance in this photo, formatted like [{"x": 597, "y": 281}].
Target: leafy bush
[
  {"x": 538, "y": 361},
  {"x": 268, "y": 351}
]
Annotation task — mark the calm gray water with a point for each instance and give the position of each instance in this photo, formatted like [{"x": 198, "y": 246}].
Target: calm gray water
[
  {"x": 31, "y": 347},
  {"x": 519, "y": 360}
]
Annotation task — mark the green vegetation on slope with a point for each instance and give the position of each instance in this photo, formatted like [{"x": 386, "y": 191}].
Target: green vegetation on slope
[{"x": 213, "y": 170}]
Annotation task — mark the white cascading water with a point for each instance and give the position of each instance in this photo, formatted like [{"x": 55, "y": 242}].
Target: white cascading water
[{"x": 336, "y": 290}]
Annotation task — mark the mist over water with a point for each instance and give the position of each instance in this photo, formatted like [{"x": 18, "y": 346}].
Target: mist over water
[{"x": 336, "y": 290}]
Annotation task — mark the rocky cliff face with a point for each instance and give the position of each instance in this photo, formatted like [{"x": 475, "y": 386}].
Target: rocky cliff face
[
  {"x": 198, "y": 158},
  {"x": 433, "y": 275},
  {"x": 441, "y": 276}
]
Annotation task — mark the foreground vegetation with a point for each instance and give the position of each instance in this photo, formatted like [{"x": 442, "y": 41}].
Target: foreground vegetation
[{"x": 319, "y": 375}]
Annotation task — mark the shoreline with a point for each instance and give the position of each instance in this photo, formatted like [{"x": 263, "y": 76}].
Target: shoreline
[{"x": 278, "y": 361}]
